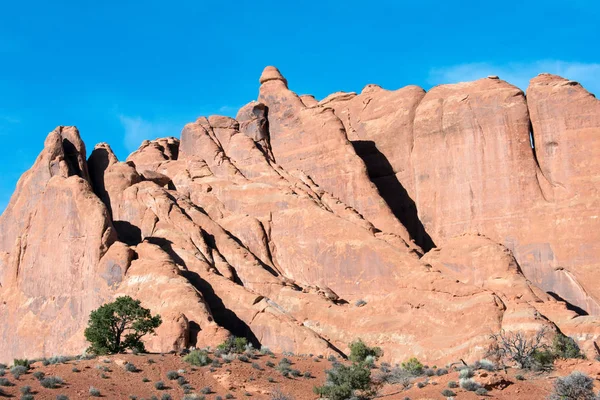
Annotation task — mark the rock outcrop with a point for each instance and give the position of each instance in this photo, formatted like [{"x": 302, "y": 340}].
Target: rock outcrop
[{"x": 303, "y": 224}]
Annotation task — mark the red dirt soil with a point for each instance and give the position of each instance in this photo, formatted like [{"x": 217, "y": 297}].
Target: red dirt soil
[{"x": 242, "y": 380}]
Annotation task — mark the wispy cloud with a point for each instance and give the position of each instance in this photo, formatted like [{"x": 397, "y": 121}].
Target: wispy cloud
[
  {"x": 230, "y": 111},
  {"x": 519, "y": 74},
  {"x": 138, "y": 129}
]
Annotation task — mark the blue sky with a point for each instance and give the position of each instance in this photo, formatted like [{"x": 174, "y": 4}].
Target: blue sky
[{"x": 123, "y": 71}]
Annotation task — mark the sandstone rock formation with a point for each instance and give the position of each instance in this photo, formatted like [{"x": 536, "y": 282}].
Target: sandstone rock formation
[{"x": 274, "y": 224}]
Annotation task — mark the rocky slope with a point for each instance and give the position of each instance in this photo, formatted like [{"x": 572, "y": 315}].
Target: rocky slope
[{"x": 432, "y": 208}]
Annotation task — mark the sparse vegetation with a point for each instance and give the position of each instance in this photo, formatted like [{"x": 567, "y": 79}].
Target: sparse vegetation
[
  {"x": 360, "y": 303},
  {"x": 465, "y": 373},
  {"x": 25, "y": 389},
  {"x": 172, "y": 375},
  {"x": 565, "y": 347},
  {"x": 469, "y": 384},
  {"x": 452, "y": 384},
  {"x": 359, "y": 351},
  {"x": 448, "y": 393},
  {"x": 160, "y": 385},
  {"x": 62, "y": 397},
  {"x": 413, "y": 366},
  {"x": 5, "y": 382},
  {"x": 39, "y": 375},
  {"x": 129, "y": 367},
  {"x": 17, "y": 362},
  {"x": 481, "y": 391},
  {"x": 198, "y": 358},
  {"x": 344, "y": 381},
  {"x": 441, "y": 371},
  {"x": 256, "y": 366},
  {"x": 528, "y": 352},
  {"x": 233, "y": 344},
  {"x": 520, "y": 377},
  {"x": 577, "y": 386},
  {"x": 166, "y": 396},
  {"x": 27, "y": 396},
  {"x": 18, "y": 370},
  {"x": 94, "y": 392},
  {"x": 206, "y": 390},
  {"x": 120, "y": 325},
  {"x": 279, "y": 395}
]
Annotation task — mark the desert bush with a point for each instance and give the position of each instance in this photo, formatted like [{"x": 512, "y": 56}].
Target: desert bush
[
  {"x": 269, "y": 364},
  {"x": 120, "y": 325},
  {"x": 469, "y": 384},
  {"x": 25, "y": 389},
  {"x": 441, "y": 371},
  {"x": 484, "y": 364},
  {"x": 429, "y": 372},
  {"x": 519, "y": 348},
  {"x": 5, "y": 382},
  {"x": 38, "y": 375},
  {"x": 160, "y": 385},
  {"x": 2, "y": 372},
  {"x": 75, "y": 369},
  {"x": 344, "y": 381},
  {"x": 17, "y": 362},
  {"x": 576, "y": 386},
  {"x": 27, "y": 396},
  {"x": 331, "y": 358},
  {"x": 233, "y": 344},
  {"x": 206, "y": 390},
  {"x": 360, "y": 303},
  {"x": 277, "y": 394},
  {"x": 565, "y": 347},
  {"x": 166, "y": 396},
  {"x": 359, "y": 351},
  {"x": 181, "y": 381},
  {"x": 129, "y": 367},
  {"x": 481, "y": 391},
  {"x": 198, "y": 358},
  {"x": 520, "y": 377},
  {"x": 448, "y": 393},
  {"x": 307, "y": 375},
  {"x": 264, "y": 350},
  {"x": 295, "y": 372},
  {"x": 57, "y": 360},
  {"x": 145, "y": 380},
  {"x": 414, "y": 366},
  {"x": 18, "y": 370},
  {"x": 452, "y": 384},
  {"x": 62, "y": 397},
  {"x": 243, "y": 358},
  {"x": 51, "y": 382},
  {"x": 229, "y": 396},
  {"x": 465, "y": 373},
  {"x": 256, "y": 366},
  {"x": 172, "y": 375},
  {"x": 421, "y": 385}
]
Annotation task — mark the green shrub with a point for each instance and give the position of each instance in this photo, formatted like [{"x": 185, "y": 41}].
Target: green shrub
[
  {"x": 145, "y": 380},
  {"x": 481, "y": 391},
  {"x": 277, "y": 394},
  {"x": 256, "y": 366},
  {"x": 233, "y": 344},
  {"x": 269, "y": 364},
  {"x": 198, "y": 358},
  {"x": 160, "y": 385},
  {"x": 21, "y": 362},
  {"x": 542, "y": 360},
  {"x": 62, "y": 397},
  {"x": 229, "y": 396},
  {"x": 129, "y": 367},
  {"x": 51, "y": 382},
  {"x": 172, "y": 375},
  {"x": 243, "y": 358},
  {"x": 448, "y": 393},
  {"x": 18, "y": 370},
  {"x": 166, "y": 396},
  {"x": 469, "y": 384},
  {"x": 452, "y": 384},
  {"x": 520, "y": 377},
  {"x": 39, "y": 375},
  {"x": 25, "y": 390},
  {"x": 27, "y": 396},
  {"x": 359, "y": 351},
  {"x": 5, "y": 382},
  {"x": 413, "y": 366},
  {"x": 94, "y": 392},
  {"x": 75, "y": 369},
  {"x": 120, "y": 325},
  {"x": 565, "y": 347},
  {"x": 465, "y": 373},
  {"x": 343, "y": 381},
  {"x": 206, "y": 390},
  {"x": 576, "y": 386},
  {"x": 441, "y": 371}
]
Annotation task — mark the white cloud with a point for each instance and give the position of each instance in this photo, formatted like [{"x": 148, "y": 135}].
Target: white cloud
[
  {"x": 138, "y": 129},
  {"x": 519, "y": 74}
]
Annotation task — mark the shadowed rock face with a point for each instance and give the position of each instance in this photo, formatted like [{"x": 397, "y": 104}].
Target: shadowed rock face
[{"x": 274, "y": 224}]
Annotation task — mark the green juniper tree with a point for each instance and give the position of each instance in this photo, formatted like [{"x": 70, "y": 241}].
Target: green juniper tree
[{"x": 120, "y": 325}]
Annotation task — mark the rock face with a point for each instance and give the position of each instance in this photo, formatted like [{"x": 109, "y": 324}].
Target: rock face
[{"x": 274, "y": 225}]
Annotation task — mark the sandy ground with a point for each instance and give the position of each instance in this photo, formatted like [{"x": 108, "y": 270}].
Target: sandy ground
[{"x": 243, "y": 380}]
